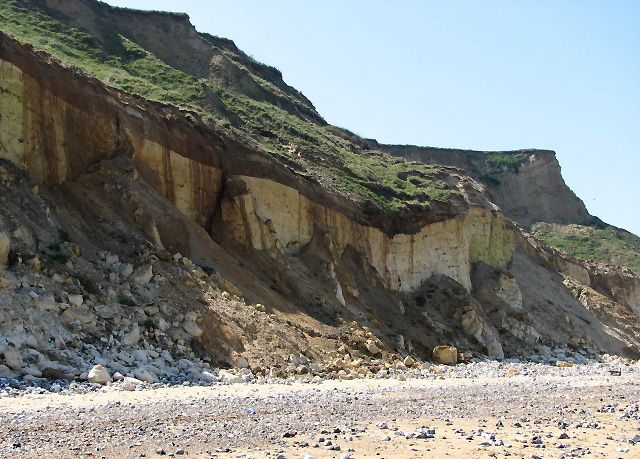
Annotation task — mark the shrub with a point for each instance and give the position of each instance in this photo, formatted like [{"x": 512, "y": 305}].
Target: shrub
[
  {"x": 125, "y": 300},
  {"x": 63, "y": 235},
  {"x": 88, "y": 284},
  {"x": 501, "y": 161}
]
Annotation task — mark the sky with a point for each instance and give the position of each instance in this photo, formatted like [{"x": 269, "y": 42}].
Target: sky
[{"x": 487, "y": 75}]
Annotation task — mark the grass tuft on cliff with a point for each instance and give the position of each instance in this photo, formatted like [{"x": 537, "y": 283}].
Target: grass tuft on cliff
[
  {"x": 599, "y": 242},
  {"x": 499, "y": 161},
  {"x": 245, "y": 97}
]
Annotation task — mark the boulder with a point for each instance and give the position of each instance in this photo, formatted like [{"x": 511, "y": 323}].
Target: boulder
[
  {"x": 82, "y": 314},
  {"x": 447, "y": 355},
  {"x": 409, "y": 361},
  {"x": 193, "y": 329},
  {"x": 140, "y": 355},
  {"x": 207, "y": 376},
  {"x": 5, "y": 372},
  {"x": 229, "y": 377},
  {"x": 143, "y": 374},
  {"x": 13, "y": 359},
  {"x": 162, "y": 324},
  {"x": 130, "y": 384},
  {"x": 32, "y": 370},
  {"x": 131, "y": 338},
  {"x": 111, "y": 258},
  {"x": 143, "y": 274},
  {"x": 106, "y": 311},
  {"x": 54, "y": 373},
  {"x": 483, "y": 332},
  {"x": 126, "y": 271},
  {"x": 5, "y": 248},
  {"x": 76, "y": 300},
  {"x": 373, "y": 348},
  {"x": 99, "y": 375}
]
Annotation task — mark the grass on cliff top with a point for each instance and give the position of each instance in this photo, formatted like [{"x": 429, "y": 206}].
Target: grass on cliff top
[
  {"x": 602, "y": 243},
  {"x": 120, "y": 64},
  {"x": 500, "y": 161},
  {"x": 312, "y": 149}
]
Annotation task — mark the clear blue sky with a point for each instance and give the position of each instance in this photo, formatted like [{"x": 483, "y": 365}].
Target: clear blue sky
[{"x": 562, "y": 75}]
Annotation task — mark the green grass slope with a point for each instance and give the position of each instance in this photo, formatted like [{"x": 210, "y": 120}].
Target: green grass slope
[{"x": 598, "y": 242}]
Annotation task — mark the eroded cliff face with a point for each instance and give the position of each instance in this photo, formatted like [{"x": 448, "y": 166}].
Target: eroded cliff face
[
  {"x": 530, "y": 192},
  {"x": 56, "y": 135},
  {"x": 537, "y": 193},
  {"x": 43, "y": 134},
  {"x": 265, "y": 215},
  {"x": 460, "y": 273},
  {"x": 56, "y": 141}
]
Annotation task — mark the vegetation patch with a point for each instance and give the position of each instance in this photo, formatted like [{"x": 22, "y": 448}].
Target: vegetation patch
[
  {"x": 125, "y": 300},
  {"x": 64, "y": 236},
  {"x": 505, "y": 161},
  {"x": 88, "y": 284},
  {"x": 597, "y": 242}
]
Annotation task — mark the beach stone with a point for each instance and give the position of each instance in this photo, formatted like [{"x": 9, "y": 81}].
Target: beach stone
[
  {"x": 99, "y": 375},
  {"x": 409, "y": 361}
]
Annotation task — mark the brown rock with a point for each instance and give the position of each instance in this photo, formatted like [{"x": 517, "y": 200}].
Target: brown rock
[
  {"x": 409, "y": 361},
  {"x": 447, "y": 355},
  {"x": 55, "y": 373},
  {"x": 34, "y": 263}
]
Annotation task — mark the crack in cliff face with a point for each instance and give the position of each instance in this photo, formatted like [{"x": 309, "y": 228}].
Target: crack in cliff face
[{"x": 217, "y": 206}]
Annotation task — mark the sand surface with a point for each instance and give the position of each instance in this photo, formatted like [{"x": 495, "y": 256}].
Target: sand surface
[{"x": 294, "y": 420}]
